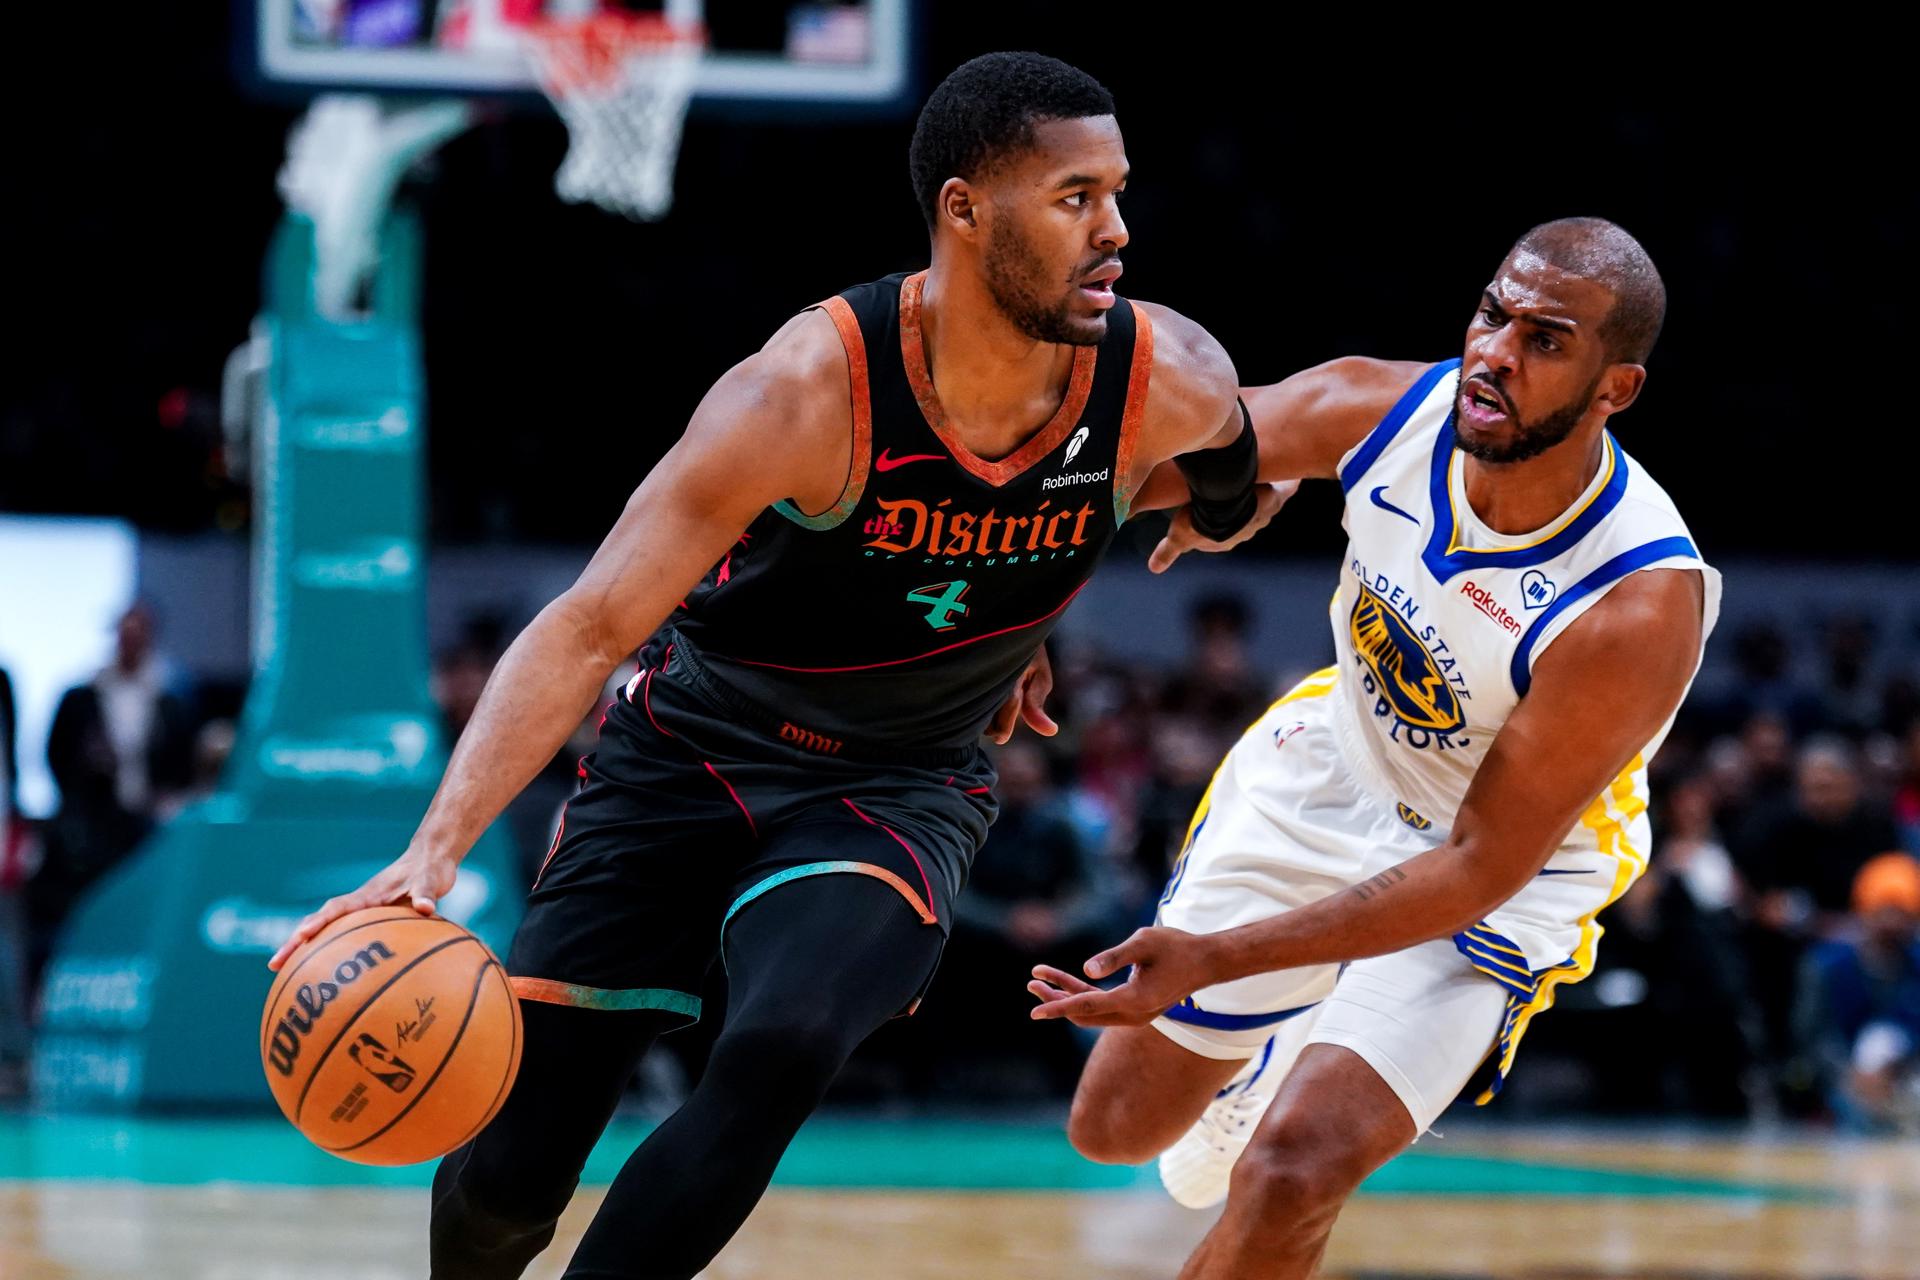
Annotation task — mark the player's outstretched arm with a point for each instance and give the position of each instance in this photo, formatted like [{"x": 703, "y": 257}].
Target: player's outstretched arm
[
  {"x": 777, "y": 425},
  {"x": 1599, "y": 694},
  {"x": 1304, "y": 424},
  {"x": 1193, "y": 430}
]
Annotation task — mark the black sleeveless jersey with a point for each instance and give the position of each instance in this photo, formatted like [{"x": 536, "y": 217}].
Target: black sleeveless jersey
[{"x": 904, "y": 614}]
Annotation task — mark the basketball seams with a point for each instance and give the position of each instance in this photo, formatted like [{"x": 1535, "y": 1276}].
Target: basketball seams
[
  {"x": 466, "y": 1019},
  {"x": 368, "y": 1003},
  {"x": 285, "y": 978},
  {"x": 513, "y": 1060}
]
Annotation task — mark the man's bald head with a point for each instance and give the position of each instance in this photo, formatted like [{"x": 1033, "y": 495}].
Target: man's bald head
[{"x": 1600, "y": 251}]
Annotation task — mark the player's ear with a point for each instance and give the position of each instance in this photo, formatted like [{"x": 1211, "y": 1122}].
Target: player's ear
[
  {"x": 1620, "y": 386},
  {"x": 957, "y": 208}
]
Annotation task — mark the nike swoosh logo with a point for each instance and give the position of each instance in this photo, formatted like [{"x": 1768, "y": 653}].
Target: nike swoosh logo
[
  {"x": 1551, "y": 871},
  {"x": 1384, "y": 505},
  {"x": 884, "y": 463}
]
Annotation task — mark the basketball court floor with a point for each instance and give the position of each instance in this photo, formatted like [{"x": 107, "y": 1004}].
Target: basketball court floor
[{"x": 94, "y": 1198}]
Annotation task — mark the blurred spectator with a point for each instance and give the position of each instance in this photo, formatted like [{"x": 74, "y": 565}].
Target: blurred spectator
[
  {"x": 1906, "y": 796},
  {"x": 14, "y": 1030},
  {"x": 1849, "y": 701},
  {"x": 1217, "y": 682},
  {"x": 1184, "y": 758},
  {"x": 1114, "y": 763},
  {"x": 460, "y": 673},
  {"x": 1033, "y": 897},
  {"x": 120, "y": 748},
  {"x": 1802, "y": 853},
  {"x": 213, "y": 745},
  {"x": 1689, "y": 852},
  {"x": 1799, "y": 857},
  {"x": 1763, "y": 682},
  {"x": 1900, "y": 704},
  {"x": 1677, "y": 928},
  {"x": 1767, "y": 744},
  {"x": 1859, "y": 1010}
]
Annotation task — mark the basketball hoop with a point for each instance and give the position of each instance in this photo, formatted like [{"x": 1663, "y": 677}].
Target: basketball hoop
[{"x": 622, "y": 82}]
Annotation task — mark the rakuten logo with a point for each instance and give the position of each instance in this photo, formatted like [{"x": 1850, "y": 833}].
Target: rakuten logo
[{"x": 1483, "y": 601}]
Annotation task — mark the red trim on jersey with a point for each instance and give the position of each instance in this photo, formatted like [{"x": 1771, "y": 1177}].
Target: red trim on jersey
[
  {"x": 553, "y": 848},
  {"x": 840, "y": 311},
  {"x": 958, "y": 644},
  {"x": 904, "y": 845},
  {"x": 751, "y": 826},
  {"x": 646, "y": 701},
  {"x": 1139, "y": 374},
  {"x": 914, "y": 353},
  {"x": 580, "y": 769}
]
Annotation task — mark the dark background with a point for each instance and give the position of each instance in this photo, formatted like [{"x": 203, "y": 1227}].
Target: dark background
[{"x": 1304, "y": 194}]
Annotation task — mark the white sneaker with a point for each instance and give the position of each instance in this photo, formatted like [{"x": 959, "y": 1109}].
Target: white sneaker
[{"x": 1197, "y": 1169}]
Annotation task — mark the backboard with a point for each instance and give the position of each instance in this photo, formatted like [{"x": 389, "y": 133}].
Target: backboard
[{"x": 764, "y": 57}]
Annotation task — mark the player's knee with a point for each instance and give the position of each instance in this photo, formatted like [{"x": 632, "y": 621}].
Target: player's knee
[
  {"x": 781, "y": 1049},
  {"x": 1106, "y": 1129},
  {"x": 483, "y": 1212},
  {"x": 1293, "y": 1173}
]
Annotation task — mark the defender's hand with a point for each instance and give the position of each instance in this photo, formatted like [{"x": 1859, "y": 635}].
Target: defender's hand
[
  {"x": 1168, "y": 966},
  {"x": 1027, "y": 702},
  {"x": 1181, "y": 537},
  {"x": 415, "y": 877}
]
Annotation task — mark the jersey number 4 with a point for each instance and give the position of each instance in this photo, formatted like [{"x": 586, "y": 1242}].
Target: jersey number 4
[{"x": 943, "y": 603}]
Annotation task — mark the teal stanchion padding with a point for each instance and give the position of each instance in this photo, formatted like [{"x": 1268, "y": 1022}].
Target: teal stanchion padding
[{"x": 153, "y": 996}]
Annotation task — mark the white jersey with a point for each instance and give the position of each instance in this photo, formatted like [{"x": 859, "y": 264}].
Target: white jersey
[{"x": 1437, "y": 623}]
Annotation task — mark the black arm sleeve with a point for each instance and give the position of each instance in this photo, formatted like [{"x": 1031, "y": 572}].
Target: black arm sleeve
[{"x": 1222, "y": 482}]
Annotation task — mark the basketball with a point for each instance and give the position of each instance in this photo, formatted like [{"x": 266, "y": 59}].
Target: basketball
[{"x": 391, "y": 1037}]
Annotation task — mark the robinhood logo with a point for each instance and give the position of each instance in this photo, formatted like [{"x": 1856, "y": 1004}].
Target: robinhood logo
[
  {"x": 392, "y": 751},
  {"x": 368, "y": 566},
  {"x": 385, "y": 434}
]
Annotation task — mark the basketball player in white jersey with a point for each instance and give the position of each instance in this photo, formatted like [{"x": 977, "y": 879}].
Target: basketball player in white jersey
[{"x": 1398, "y": 864}]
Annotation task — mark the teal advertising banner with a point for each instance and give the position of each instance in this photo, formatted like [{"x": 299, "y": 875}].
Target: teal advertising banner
[{"x": 154, "y": 994}]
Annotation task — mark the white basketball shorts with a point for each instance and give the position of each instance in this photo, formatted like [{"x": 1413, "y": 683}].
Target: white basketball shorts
[{"x": 1284, "y": 825}]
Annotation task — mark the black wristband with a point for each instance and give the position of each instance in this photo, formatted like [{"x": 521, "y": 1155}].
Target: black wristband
[{"x": 1223, "y": 483}]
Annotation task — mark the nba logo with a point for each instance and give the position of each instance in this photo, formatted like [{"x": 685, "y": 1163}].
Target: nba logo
[
  {"x": 381, "y": 1063},
  {"x": 1536, "y": 589}
]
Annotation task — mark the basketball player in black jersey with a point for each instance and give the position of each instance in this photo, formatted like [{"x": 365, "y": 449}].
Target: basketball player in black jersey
[{"x": 836, "y": 580}]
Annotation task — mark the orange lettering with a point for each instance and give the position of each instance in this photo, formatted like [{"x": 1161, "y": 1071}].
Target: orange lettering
[
  {"x": 960, "y": 535},
  {"x": 895, "y": 511},
  {"x": 1080, "y": 526},
  {"x": 1053, "y": 527},
  {"x": 986, "y": 530}
]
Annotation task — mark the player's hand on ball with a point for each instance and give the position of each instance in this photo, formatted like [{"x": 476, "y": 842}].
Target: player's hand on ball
[
  {"x": 1182, "y": 538},
  {"x": 1168, "y": 966},
  {"x": 416, "y": 878},
  {"x": 1027, "y": 702}
]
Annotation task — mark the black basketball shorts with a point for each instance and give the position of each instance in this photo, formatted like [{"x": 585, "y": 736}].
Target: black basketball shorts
[{"x": 693, "y": 805}]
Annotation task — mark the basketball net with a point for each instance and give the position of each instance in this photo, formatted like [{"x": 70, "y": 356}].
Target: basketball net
[
  {"x": 345, "y": 158},
  {"x": 622, "y": 82}
]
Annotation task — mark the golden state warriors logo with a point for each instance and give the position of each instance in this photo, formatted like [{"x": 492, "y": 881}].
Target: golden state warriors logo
[{"x": 1403, "y": 676}]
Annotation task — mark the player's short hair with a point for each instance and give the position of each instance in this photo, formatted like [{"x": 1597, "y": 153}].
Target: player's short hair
[
  {"x": 1601, "y": 251},
  {"x": 986, "y": 111}
]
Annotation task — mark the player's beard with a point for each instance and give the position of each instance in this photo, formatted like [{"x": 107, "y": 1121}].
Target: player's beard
[
  {"x": 1531, "y": 439},
  {"x": 1015, "y": 278}
]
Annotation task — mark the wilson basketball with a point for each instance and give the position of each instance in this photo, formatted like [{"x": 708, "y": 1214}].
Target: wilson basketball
[{"x": 391, "y": 1037}]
